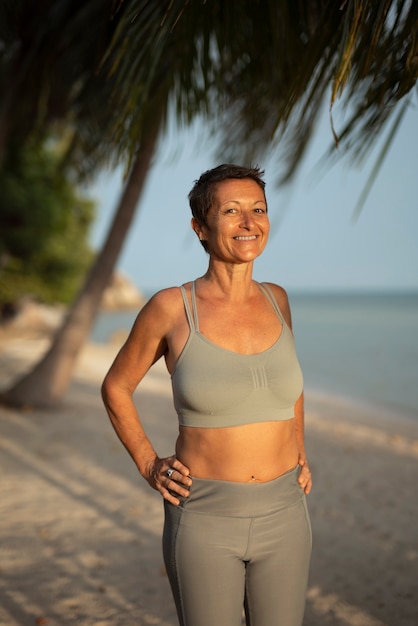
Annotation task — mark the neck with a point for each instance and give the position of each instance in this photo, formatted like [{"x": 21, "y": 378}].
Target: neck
[{"x": 235, "y": 281}]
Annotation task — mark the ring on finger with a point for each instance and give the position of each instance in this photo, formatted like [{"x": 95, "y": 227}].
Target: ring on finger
[{"x": 170, "y": 472}]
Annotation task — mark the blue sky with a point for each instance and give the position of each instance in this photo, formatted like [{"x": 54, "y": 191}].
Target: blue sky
[{"x": 314, "y": 243}]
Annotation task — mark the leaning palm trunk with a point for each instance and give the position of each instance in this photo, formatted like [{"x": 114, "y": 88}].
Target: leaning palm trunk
[{"x": 47, "y": 382}]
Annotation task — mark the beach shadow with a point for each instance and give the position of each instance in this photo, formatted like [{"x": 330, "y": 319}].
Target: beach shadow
[
  {"x": 365, "y": 557},
  {"x": 81, "y": 530}
]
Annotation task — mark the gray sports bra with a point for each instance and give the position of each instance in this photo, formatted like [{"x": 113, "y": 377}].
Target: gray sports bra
[{"x": 214, "y": 387}]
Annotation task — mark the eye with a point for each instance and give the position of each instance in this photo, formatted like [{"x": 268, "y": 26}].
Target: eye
[{"x": 260, "y": 210}]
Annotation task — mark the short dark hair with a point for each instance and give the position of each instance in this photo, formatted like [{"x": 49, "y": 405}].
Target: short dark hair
[{"x": 202, "y": 195}]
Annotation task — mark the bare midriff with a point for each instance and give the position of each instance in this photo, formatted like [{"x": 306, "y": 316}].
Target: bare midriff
[{"x": 250, "y": 453}]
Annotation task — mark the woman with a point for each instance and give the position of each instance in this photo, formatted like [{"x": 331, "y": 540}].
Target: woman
[{"x": 237, "y": 531}]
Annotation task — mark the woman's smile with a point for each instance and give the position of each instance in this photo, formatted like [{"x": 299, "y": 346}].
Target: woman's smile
[{"x": 240, "y": 205}]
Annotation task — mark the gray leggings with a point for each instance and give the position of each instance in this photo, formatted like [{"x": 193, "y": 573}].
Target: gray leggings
[{"x": 233, "y": 545}]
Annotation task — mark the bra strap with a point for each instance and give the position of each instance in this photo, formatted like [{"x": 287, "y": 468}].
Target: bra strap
[
  {"x": 269, "y": 294},
  {"x": 187, "y": 307},
  {"x": 195, "y": 318}
]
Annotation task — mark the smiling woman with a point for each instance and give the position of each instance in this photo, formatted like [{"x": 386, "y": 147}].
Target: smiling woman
[
  {"x": 238, "y": 215},
  {"x": 238, "y": 391}
]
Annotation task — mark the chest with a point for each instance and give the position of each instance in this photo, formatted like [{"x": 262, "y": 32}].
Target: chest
[
  {"x": 246, "y": 328},
  {"x": 241, "y": 329}
]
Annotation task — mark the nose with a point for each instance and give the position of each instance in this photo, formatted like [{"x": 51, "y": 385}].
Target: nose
[{"x": 247, "y": 219}]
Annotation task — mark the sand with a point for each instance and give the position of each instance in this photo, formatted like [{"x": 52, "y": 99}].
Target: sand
[{"x": 80, "y": 530}]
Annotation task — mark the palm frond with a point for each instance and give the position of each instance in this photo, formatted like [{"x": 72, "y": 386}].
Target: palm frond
[{"x": 259, "y": 76}]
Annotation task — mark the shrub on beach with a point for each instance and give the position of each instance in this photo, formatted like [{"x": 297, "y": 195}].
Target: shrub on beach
[{"x": 44, "y": 222}]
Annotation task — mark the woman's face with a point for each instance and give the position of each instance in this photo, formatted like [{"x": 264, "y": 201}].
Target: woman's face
[{"x": 237, "y": 223}]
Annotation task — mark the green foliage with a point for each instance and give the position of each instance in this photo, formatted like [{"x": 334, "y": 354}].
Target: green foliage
[
  {"x": 44, "y": 224},
  {"x": 259, "y": 75},
  {"x": 48, "y": 49}
]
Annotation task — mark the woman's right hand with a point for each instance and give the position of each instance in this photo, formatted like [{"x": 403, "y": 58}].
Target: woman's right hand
[{"x": 170, "y": 477}]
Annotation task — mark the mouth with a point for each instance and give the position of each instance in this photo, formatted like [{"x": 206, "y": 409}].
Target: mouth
[{"x": 245, "y": 238}]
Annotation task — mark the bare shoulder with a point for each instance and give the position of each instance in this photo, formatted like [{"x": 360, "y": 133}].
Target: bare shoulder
[
  {"x": 162, "y": 308},
  {"x": 282, "y": 300},
  {"x": 166, "y": 299},
  {"x": 147, "y": 341}
]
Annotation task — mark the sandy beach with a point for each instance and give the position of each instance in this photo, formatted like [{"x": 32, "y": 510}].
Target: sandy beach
[{"x": 80, "y": 530}]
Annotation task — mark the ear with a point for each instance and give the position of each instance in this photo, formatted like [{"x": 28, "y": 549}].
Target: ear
[{"x": 198, "y": 229}]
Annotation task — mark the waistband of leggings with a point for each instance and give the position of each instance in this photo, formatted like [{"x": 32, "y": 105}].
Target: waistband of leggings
[{"x": 235, "y": 499}]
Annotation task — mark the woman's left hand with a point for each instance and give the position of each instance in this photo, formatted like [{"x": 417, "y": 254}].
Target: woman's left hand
[{"x": 305, "y": 476}]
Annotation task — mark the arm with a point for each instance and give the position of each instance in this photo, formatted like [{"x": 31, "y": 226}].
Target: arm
[
  {"x": 144, "y": 346},
  {"x": 305, "y": 476}
]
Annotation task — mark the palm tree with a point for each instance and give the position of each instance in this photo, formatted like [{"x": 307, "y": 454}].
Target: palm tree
[
  {"x": 262, "y": 74},
  {"x": 44, "y": 60},
  {"x": 47, "y": 382},
  {"x": 259, "y": 75}
]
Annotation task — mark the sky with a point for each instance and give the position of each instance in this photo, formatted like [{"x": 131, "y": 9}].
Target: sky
[{"x": 315, "y": 245}]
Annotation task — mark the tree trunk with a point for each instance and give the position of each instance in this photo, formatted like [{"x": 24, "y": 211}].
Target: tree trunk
[{"x": 46, "y": 384}]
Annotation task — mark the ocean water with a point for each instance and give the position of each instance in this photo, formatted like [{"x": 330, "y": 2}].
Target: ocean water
[{"x": 363, "y": 347}]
